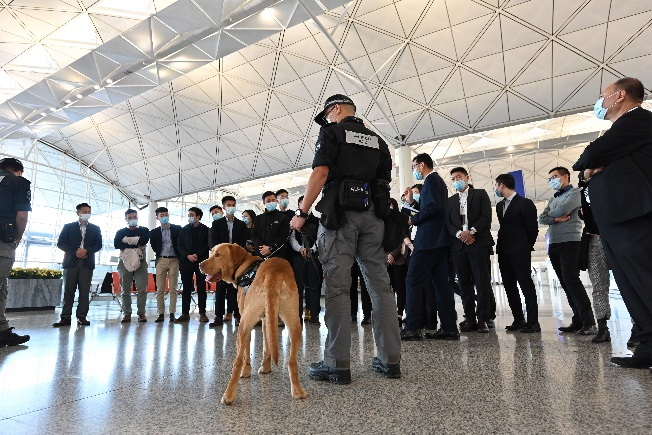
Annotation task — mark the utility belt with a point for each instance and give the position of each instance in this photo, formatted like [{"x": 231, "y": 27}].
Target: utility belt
[
  {"x": 8, "y": 233},
  {"x": 345, "y": 194}
]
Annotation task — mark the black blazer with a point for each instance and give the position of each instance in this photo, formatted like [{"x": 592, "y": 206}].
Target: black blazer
[
  {"x": 478, "y": 209},
  {"x": 625, "y": 151},
  {"x": 432, "y": 216},
  {"x": 184, "y": 242},
  {"x": 519, "y": 227},
  {"x": 70, "y": 239},
  {"x": 156, "y": 239},
  {"x": 219, "y": 232},
  {"x": 271, "y": 229}
]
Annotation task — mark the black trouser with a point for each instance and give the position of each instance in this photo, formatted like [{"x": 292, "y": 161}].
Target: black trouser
[
  {"x": 228, "y": 292},
  {"x": 472, "y": 265},
  {"x": 451, "y": 277},
  {"x": 308, "y": 278},
  {"x": 429, "y": 311},
  {"x": 428, "y": 271},
  {"x": 397, "y": 275},
  {"x": 564, "y": 258},
  {"x": 517, "y": 268},
  {"x": 190, "y": 270},
  {"x": 628, "y": 246},
  {"x": 356, "y": 277}
]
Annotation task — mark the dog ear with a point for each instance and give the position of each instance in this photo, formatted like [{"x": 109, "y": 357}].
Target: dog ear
[{"x": 238, "y": 255}]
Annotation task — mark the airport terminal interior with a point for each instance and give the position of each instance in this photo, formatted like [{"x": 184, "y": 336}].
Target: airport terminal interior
[{"x": 142, "y": 104}]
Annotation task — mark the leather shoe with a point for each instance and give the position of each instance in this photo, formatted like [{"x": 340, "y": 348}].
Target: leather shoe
[
  {"x": 126, "y": 319},
  {"x": 446, "y": 335},
  {"x": 203, "y": 318},
  {"x": 529, "y": 329},
  {"x": 470, "y": 326},
  {"x": 411, "y": 335},
  {"x": 172, "y": 318},
  {"x": 182, "y": 318},
  {"x": 463, "y": 322},
  {"x": 366, "y": 321},
  {"x": 516, "y": 325},
  {"x": 63, "y": 322},
  {"x": 142, "y": 318},
  {"x": 573, "y": 327},
  {"x": 389, "y": 370},
  {"x": 587, "y": 330},
  {"x": 483, "y": 328},
  {"x": 160, "y": 318},
  {"x": 217, "y": 322},
  {"x": 83, "y": 321},
  {"x": 634, "y": 361},
  {"x": 491, "y": 324},
  {"x": 321, "y": 372}
]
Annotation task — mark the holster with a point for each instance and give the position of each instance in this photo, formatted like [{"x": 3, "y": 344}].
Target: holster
[
  {"x": 332, "y": 215},
  {"x": 8, "y": 233},
  {"x": 380, "y": 194}
]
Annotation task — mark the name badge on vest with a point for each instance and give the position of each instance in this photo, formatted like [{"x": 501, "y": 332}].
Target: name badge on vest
[{"x": 365, "y": 140}]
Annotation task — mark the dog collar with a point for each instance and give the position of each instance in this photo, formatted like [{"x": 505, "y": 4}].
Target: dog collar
[{"x": 248, "y": 275}]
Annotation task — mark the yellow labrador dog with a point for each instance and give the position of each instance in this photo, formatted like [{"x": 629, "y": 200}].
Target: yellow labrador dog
[{"x": 272, "y": 293}]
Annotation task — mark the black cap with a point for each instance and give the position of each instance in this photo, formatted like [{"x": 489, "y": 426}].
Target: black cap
[{"x": 333, "y": 99}]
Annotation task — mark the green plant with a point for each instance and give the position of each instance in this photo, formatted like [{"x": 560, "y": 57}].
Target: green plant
[{"x": 35, "y": 273}]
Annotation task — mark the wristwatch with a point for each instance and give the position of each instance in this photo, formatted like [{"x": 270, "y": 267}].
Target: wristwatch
[
  {"x": 473, "y": 231},
  {"x": 301, "y": 214}
]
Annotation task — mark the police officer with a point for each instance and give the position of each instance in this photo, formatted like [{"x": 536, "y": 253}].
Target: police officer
[
  {"x": 15, "y": 199},
  {"x": 347, "y": 153}
]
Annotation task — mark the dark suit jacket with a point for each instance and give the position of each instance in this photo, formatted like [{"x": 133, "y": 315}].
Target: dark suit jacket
[
  {"x": 625, "y": 151},
  {"x": 478, "y": 209},
  {"x": 70, "y": 239},
  {"x": 156, "y": 239},
  {"x": 219, "y": 232},
  {"x": 432, "y": 216},
  {"x": 184, "y": 243},
  {"x": 271, "y": 229},
  {"x": 519, "y": 227}
]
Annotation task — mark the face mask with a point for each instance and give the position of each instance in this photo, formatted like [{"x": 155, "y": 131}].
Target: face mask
[
  {"x": 416, "y": 197},
  {"x": 284, "y": 202},
  {"x": 270, "y": 206},
  {"x": 164, "y": 220},
  {"x": 191, "y": 220},
  {"x": 417, "y": 175},
  {"x": 230, "y": 211},
  {"x": 555, "y": 184},
  {"x": 132, "y": 223},
  {"x": 405, "y": 204},
  {"x": 599, "y": 111},
  {"x": 246, "y": 220},
  {"x": 85, "y": 216},
  {"x": 498, "y": 194},
  {"x": 217, "y": 216},
  {"x": 459, "y": 185}
]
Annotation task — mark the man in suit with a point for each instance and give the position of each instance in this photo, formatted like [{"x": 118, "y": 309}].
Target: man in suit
[
  {"x": 470, "y": 223},
  {"x": 619, "y": 165},
  {"x": 271, "y": 229},
  {"x": 516, "y": 237},
  {"x": 227, "y": 230},
  {"x": 163, "y": 240},
  {"x": 80, "y": 241},
  {"x": 193, "y": 249},
  {"x": 429, "y": 262}
]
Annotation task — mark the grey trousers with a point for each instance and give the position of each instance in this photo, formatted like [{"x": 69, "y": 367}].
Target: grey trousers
[
  {"x": 360, "y": 239},
  {"x": 126, "y": 279},
  {"x": 5, "y": 268},
  {"x": 599, "y": 276},
  {"x": 81, "y": 277}
]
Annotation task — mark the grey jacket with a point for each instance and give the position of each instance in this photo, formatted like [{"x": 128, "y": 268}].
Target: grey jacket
[{"x": 565, "y": 204}]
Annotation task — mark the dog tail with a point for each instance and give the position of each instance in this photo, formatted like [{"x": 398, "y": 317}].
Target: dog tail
[{"x": 271, "y": 325}]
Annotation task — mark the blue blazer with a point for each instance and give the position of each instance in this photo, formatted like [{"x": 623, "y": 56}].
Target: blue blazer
[
  {"x": 432, "y": 218},
  {"x": 70, "y": 239}
]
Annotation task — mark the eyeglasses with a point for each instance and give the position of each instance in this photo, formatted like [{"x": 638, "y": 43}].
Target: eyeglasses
[
  {"x": 553, "y": 177},
  {"x": 415, "y": 165}
]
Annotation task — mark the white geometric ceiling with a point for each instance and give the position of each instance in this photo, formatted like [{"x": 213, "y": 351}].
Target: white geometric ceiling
[{"x": 435, "y": 69}]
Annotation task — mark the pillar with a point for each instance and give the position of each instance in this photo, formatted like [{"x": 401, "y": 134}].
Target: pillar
[
  {"x": 404, "y": 165},
  {"x": 151, "y": 224}
]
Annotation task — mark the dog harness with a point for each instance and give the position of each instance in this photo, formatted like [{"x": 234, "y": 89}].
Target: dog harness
[{"x": 248, "y": 276}]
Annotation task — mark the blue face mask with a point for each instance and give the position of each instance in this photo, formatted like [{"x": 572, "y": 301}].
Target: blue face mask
[
  {"x": 599, "y": 111},
  {"x": 230, "y": 211},
  {"x": 416, "y": 196},
  {"x": 270, "y": 206},
  {"x": 164, "y": 220},
  {"x": 555, "y": 184},
  {"x": 217, "y": 216},
  {"x": 417, "y": 175},
  {"x": 246, "y": 220},
  {"x": 498, "y": 194},
  {"x": 132, "y": 223},
  {"x": 459, "y": 185},
  {"x": 284, "y": 202},
  {"x": 85, "y": 216},
  {"x": 191, "y": 220}
]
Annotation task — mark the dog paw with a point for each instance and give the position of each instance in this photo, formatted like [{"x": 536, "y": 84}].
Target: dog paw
[
  {"x": 262, "y": 370},
  {"x": 246, "y": 372},
  {"x": 227, "y": 400},
  {"x": 299, "y": 393}
]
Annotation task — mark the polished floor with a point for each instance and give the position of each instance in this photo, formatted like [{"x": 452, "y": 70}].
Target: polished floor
[{"x": 164, "y": 379}]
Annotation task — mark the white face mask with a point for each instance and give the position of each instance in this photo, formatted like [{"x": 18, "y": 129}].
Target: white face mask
[{"x": 85, "y": 216}]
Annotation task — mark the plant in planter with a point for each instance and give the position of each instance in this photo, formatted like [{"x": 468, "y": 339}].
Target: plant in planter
[{"x": 33, "y": 288}]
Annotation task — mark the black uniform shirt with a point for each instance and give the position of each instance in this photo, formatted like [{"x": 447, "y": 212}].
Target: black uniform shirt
[
  {"x": 351, "y": 150},
  {"x": 15, "y": 196}
]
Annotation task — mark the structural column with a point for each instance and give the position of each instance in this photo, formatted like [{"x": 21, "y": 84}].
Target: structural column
[
  {"x": 404, "y": 165},
  {"x": 151, "y": 223}
]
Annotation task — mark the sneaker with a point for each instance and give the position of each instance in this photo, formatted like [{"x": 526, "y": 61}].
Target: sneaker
[
  {"x": 10, "y": 338},
  {"x": 142, "y": 318},
  {"x": 160, "y": 318},
  {"x": 389, "y": 370},
  {"x": 321, "y": 372},
  {"x": 228, "y": 317},
  {"x": 203, "y": 318}
]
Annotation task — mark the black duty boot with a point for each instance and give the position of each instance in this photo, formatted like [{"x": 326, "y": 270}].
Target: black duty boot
[{"x": 602, "y": 335}]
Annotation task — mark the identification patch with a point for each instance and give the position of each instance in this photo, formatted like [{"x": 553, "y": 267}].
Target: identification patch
[{"x": 366, "y": 140}]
